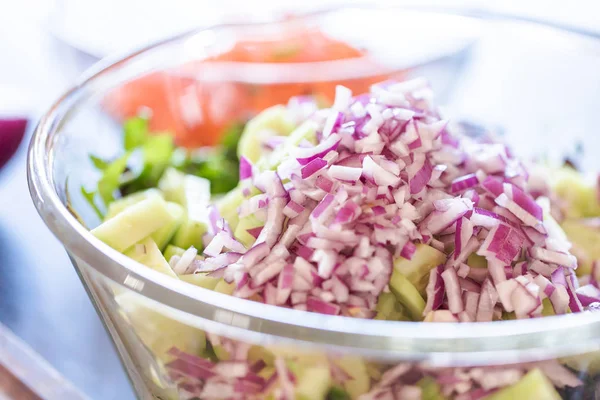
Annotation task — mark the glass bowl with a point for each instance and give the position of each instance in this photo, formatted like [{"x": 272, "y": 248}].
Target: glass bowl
[{"x": 535, "y": 83}]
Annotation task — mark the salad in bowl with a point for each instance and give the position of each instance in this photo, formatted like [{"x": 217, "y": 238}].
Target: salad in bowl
[{"x": 377, "y": 207}]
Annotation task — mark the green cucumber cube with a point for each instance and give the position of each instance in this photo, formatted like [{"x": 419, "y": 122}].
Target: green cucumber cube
[
  {"x": 134, "y": 223},
  {"x": 407, "y": 295},
  {"x": 313, "y": 383},
  {"x": 417, "y": 269},
  {"x": 147, "y": 252},
  {"x": 119, "y": 205},
  {"x": 274, "y": 121},
  {"x": 172, "y": 250},
  {"x": 163, "y": 236},
  {"x": 201, "y": 280},
  {"x": 534, "y": 385}
]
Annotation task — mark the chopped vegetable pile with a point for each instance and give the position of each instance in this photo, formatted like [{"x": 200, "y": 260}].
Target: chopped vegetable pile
[
  {"x": 386, "y": 184},
  {"x": 375, "y": 208}
]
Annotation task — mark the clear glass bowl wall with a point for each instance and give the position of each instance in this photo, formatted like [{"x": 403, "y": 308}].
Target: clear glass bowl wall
[{"x": 538, "y": 85}]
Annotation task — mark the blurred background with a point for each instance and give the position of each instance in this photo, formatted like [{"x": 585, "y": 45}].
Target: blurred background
[{"x": 44, "y": 46}]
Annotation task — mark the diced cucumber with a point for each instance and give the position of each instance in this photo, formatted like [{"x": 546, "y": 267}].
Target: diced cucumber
[
  {"x": 172, "y": 250},
  {"x": 266, "y": 372},
  {"x": 306, "y": 131},
  {"x": 509, "y": 316},
  {"x": 274, "y": 121},
  {"x": 241, "y": 230},
  {"x": 389, "y": 309},
  {"x": 313, "y": 383},
  {"x": 224, "y": 287},
  {"x": 430, "y": 389},
  {"x": 229, "y": 204},
  {"x": 547, "y": 308},
  {"x": 147, "y": 252},
  {"x": 416, "y": 270},
  {"x": 257, "y": 353},
  {"x": 588, "y": 362},
  {"x": 157, "y": 329},
  {"x": 337, "y": 393},
  {"x": 190, "y": 191},
  {"x": 476, "y": 261},
  {"x": 119, "y": 205},
  {"x": 571, "y": 186},
  {"x": 190, "y": 234},
  {"x": 399, "y": 314},
  {"x": 300, "y": 356},
  {"x": 585, "y": 240},
  {"x": 221, "y": 353},
  {"x": 201, "y": 280},
  {"x": 163, "y": 236},
  {"x": 408, "y": 295},
  {"x": 385, "y": 305},
  {"x": 197, "y": 197},
  {"x": 134, "y": 223},
  {"x": 534, "y": 385},
  {"x": 360, "y": 381},
  {"x": 193, "y": 193},
  {"x": 171, "y": 184}
]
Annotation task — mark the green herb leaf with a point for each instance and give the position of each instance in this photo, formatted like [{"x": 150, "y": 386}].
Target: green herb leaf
[
  {"x": 222, "y": 172},
  {"x": 157, "y": 152},
  {"x": 111, "y": 179},
  {"x": 135, "y": 132},
  {"x": 158, "y": 149},
  {"x": 89, "y": 196},
  {"x": 98, "y": 162},
  {"x": 230, "y": 140}
]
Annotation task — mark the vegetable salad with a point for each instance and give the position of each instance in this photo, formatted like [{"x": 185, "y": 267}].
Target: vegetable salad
[{"x": 375, "y": 208}]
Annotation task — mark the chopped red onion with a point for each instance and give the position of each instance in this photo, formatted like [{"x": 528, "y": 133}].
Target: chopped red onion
[
  {"x": 588, "y": 294},
  {"x": 380, "y": 176},
  {"x": 223, "y": 240},
  {"x": 324, "y": 184},
  {"x": 317, "y": 305},
  {"x": 453, "y": 290},
  {"x": 443, "y": 316},
  {"x": 408, "y": 250},
  {"x": 554, "y": 257},
  {"x": 313, "y": 166},
  {"x": 245, "y": 168},
  {"x": 572, "y": 286},
  {"x": 292, "y": 209},
  {"x": 380, "y": 180},
  {"x": 464, "y": 182},
  {"x": 523, "y": 200},
  {"x": 435, "y": 290},
  {"x": 502, "y": 242},
  {"x": 439, "y": 220},
  {"x": 304, "y": 156},
  {"x": 421, "y": 178},
  {"x": 464, "y": 231},
  {"x": 471, "y": 301},
  {"x": 487, "y": 300},
  {"x": 255, "y": 232}
]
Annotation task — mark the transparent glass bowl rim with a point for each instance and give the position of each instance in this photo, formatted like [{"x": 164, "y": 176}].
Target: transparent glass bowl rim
[{"x": 255, "y": 322}]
